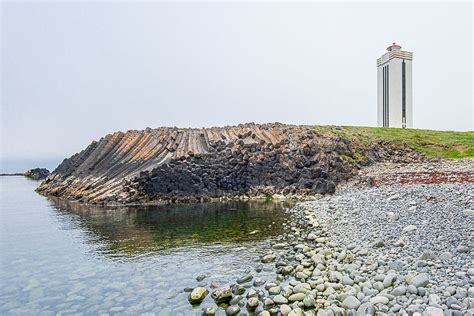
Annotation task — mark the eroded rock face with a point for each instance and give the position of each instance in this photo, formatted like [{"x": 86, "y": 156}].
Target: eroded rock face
[{"x": 178, "y": 165}]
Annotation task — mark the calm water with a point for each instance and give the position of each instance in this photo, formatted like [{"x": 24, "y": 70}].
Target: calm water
[{"x": 66, "y": 258}]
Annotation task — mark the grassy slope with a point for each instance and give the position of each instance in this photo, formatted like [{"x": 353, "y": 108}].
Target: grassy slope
[{"x": 446, "y": 144}]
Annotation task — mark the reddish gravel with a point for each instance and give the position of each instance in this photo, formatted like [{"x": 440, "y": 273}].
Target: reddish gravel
[{"x": 424, "y": 178}]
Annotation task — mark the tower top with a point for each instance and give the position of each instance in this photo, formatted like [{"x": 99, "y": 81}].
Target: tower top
[
  {"x": 394, "y": 51},
  {"x": 394, "y": 47}
]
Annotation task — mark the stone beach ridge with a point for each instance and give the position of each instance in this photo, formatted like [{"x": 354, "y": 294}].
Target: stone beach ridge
[
  {"x": 367, "y": 250},
  {"x": 192, "y": 165},
  {"x": 396, "y": 237}
]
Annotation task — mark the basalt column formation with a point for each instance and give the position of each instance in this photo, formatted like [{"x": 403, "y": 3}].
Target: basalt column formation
[{"x": 187, "y": 165}]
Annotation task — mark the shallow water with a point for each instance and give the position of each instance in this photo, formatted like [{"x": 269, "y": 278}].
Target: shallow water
[{"x": 66, "y": 258}]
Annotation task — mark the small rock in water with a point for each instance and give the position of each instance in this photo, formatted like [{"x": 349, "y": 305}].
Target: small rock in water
[
  {"x": 259, "y": 282},
  {"x": 197, "y": 295},
  {"x": 200, "y": 277},
  {"x": 232, "y": 310},
  {"x": 252, "y": 303},
  {"x": 252, "y": 293},
  {"x": 245, "y": 279},
  {"x": 208, "y": 311},
  {"x": 268, "y": 302},
  {"x": 238, "y": 289},
  {"x": 236, "y": 299},
  {"x": 222, "y": 295}
]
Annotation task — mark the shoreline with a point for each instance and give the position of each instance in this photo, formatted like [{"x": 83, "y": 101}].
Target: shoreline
[
  {"x": 404, "y": 249},
  {"x": 378, "y": 174},
  {"x": 12, "y": 174}
]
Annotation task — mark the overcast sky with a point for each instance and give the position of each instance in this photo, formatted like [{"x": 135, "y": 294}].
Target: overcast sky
[{"x": 72, "y": 73}]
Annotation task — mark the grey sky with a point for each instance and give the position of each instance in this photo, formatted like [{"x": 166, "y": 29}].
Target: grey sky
[{"x": 73, "y": 72}]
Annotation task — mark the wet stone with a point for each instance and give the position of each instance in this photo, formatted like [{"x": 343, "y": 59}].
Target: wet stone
[
  {"x": 208, "y": 311},
  {"x": 235, "y": 300},
  {"x": 222, "y": 295},
  {"x": 245, "y": 279},
  {"x": 232, "y": 310},
  {"x": 197, "y": 295},
  {"x": 252, "y": 303}
]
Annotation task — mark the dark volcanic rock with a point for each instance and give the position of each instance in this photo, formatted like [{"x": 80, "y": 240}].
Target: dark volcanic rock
[
  {"x": 37, "y": 173},
  {"x": 187, "y": 165}
]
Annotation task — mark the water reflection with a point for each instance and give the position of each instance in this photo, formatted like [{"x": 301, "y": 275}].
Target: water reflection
[
  {"x": 66, "y": 258},
  {"x": 133, "y": 231}
]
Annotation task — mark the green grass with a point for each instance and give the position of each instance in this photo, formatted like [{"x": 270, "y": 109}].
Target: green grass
[{"x": 445, "y": 144}]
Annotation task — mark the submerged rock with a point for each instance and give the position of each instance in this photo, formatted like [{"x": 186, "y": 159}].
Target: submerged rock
[
  {"x": 197, "y": 295},
  {"x": 208, "y": 311}
]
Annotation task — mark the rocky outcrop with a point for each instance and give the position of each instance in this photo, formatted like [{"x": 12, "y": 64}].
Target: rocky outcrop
[
  {"x": 37, "y": 173},
  {"x": 181, "y": 165}
]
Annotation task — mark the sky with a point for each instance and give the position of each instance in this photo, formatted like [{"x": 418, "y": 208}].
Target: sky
[{"x": 73, "y": 72}]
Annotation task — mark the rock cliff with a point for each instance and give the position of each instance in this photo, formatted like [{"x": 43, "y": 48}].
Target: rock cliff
[{"x": 185, "y": 164}]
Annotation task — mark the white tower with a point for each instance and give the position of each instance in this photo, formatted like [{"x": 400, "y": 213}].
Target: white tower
[{"x": 394, "y": 88}]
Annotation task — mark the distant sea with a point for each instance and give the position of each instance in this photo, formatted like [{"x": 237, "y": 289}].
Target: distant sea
[{"x": 21, "y": 165}]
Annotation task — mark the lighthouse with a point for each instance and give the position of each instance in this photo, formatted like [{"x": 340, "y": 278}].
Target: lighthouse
[{"x": 394, "y": 88}]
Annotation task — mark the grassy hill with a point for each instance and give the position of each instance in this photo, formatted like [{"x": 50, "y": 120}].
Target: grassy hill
[{"x": 446, "y": 144}]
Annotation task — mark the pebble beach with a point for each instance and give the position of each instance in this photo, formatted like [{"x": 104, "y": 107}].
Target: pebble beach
[{"x": 403, "y": 249}]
